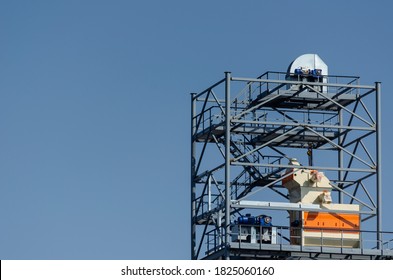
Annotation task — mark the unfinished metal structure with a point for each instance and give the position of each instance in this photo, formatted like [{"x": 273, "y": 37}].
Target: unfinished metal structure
[{"x": 245, "y": 134}]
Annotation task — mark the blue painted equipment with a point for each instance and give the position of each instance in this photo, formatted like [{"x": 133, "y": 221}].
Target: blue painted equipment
[
  {"x": 262, "y": 220},
  {"x": 265, "y": 221},
  {"x": 308, "y": 72},
  {"x": 254, "y": 229}
]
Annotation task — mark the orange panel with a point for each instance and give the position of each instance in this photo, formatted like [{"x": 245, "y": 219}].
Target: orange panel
[{"x": 331, "y": 220}]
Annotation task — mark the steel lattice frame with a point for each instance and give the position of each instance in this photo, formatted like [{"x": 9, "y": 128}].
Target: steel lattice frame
[{"x": 241, "y": 144}]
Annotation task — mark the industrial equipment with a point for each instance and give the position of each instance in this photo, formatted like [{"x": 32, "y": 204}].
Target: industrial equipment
[
  {"x": 308, "y": 68},
  {"x": 337, "y": 227},
  {"x": 253, "y": 229},
  {"x": 242, "y": 131}
]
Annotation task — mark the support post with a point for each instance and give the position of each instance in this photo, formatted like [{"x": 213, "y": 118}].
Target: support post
[
  {"x": 193, "y": 171},
  {"x": 340, "y": 156},
  {"x": 379, "y": 164},
  {"x": 227, "y": 163},
  {"x": 209, "y": 193}
]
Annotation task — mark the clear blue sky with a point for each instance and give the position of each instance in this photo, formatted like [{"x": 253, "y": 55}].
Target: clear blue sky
[{"x": 95, "y": 109}]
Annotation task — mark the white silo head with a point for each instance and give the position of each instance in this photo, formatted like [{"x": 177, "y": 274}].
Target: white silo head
[{"x": 310, "y": 62}]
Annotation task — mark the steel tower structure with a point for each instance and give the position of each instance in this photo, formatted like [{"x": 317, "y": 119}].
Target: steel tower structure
[{"x": 244, "y": 133}]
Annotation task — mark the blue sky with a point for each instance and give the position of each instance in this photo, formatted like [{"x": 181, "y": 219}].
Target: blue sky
[{"x": 95, "y": 109}]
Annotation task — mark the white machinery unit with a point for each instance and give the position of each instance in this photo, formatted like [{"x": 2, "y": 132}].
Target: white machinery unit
[
  {"x": 308, "y": 68},
  {"x": 244, "y": 233},
  {"x": 330, "y": 228}
]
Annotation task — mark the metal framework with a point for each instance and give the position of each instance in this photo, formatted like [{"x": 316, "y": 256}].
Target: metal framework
[{"x": 243, "y": 133}]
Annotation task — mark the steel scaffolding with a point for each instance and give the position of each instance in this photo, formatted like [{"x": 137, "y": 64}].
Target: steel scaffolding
[{"x": 244, "y": 131}]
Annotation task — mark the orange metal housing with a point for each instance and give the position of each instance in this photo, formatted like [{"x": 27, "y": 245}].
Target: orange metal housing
[{"x": 331, "y": 221}]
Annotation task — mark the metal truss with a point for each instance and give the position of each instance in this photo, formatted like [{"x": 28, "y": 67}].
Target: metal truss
[{"x": 244, "y": 131}]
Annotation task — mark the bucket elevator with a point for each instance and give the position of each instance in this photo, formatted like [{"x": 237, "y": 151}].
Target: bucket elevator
[{"x": 288, "y": 166}]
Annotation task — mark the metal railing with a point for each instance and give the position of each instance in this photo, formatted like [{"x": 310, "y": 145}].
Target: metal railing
[
  {"x": 343, "y": 238},
  {"x": 273, "y": 81}
]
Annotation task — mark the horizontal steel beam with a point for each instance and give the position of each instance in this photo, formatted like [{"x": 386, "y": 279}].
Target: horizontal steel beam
[
  {"x": 306, "y": 167},
  {"x": 291, "y": 206},
  {"x": 240, "y": 79},
  {"x": 373, "y": 128}
]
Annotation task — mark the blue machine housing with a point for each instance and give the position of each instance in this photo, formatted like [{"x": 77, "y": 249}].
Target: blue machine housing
[
  {"x": 262, "y": 220},
  {"x": 265, "y": 221},
  {"x": 308, "y": 72}
]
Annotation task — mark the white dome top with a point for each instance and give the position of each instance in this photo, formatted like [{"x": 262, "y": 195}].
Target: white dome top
[{"x": 308, "y": 61}]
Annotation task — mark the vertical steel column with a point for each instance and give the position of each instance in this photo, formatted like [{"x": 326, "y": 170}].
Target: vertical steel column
[
  {"x": 227, "y": 163},
  {"x": 193, "y": 190},
  {"x": 379, "y": 164},
  {"x": 340, "y": 156}
]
